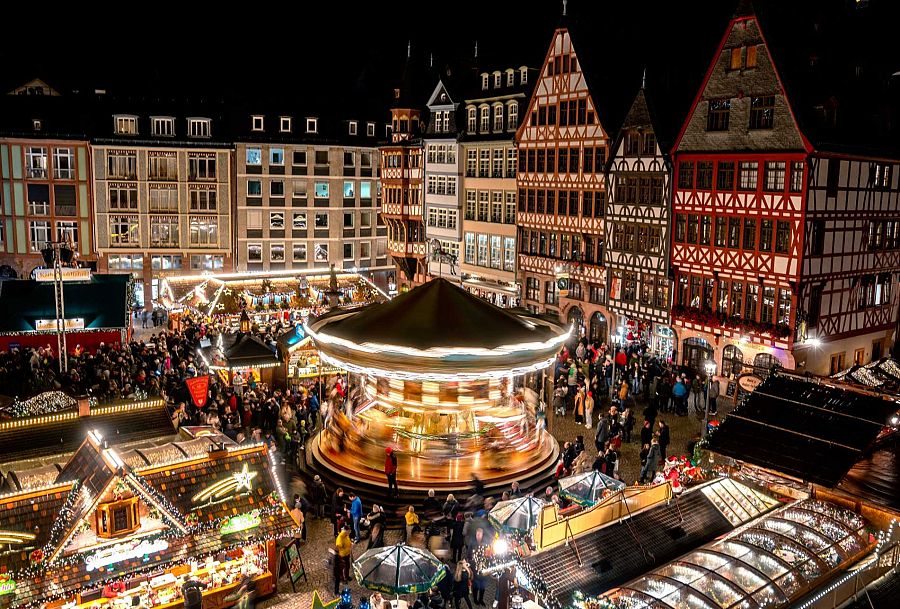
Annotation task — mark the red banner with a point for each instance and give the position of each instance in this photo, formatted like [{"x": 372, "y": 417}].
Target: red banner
[{"x": 198, "y": 387}]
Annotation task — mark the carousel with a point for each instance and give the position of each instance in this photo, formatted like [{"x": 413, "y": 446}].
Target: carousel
[{"x": 437, "y": 375}]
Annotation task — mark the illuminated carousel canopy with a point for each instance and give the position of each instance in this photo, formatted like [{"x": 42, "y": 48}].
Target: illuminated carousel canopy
[{"x": 437, "y": 331}]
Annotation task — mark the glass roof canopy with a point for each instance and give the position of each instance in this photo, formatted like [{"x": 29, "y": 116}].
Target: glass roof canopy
[{"x": 764, "y": 565}]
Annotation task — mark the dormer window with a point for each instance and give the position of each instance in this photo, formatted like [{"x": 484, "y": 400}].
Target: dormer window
[
  {"x": 370, "y": 129},
  {"x": 125, "y": 125},
  {"x": 510, "y": 78},
  {"x": 162, "y": 126},
  {"x": 117, "y": 518},
  {"x": 285, "y": 124},
  {"x": 352, "y": 128},
  {"x": 312, "y": 125},
  {"x": 36, "y": 123},
  {"x": 523, "y": 75},
  {"x": 258, "y": 123},
  {"x": 484, "y": 82},
  {"x": 497, "y": 80},
  {"x": 199, "y": 127}
]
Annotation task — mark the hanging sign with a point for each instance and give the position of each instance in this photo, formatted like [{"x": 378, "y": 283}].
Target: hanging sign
[
  {"x": 241, "y": 522},
  {"x": 125, "y": 551},
  {"x": 67, "y": 273},
  {"x": 72, "y": 323},
  {"x": 7, "y": 586},
  {"x": 562, "y": 284},
  {"x": 198, "y": 387}
]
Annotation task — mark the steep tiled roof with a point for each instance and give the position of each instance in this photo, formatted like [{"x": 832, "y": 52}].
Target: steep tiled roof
[{"x": 30, "y": 512}]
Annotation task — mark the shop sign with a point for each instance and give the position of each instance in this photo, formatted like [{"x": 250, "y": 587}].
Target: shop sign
[
  {"x": 72, "y": 323},
  {"x": 241, "y": 522},
  {"x": 7, "y": 587},
  {"x": 562, "y": 284},
  {"x": 749, "y": 382},
  {"x": 68, "y": 274},
  {"x": 125, "y": 551}
]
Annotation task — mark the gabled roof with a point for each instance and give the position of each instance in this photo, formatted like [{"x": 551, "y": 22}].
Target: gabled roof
[
  {"x": 242, "y": 350},
  {"x": 803, "y": 429}
]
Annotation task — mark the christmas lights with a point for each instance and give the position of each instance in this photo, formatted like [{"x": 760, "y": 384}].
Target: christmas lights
[{"x": 226, "y": 486}]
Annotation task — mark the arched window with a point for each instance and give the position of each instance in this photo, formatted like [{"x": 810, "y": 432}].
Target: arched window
[
  {"x": 498, "y": 117},
  {"x": 732, "y": 361},
  {"x": 485, "y": 119},
  {"x": 764, "y": 364},
  {"x": 472, "y": 118},
  {"x": 695, "y": 353},
  {"x": 512, "y": 115},
  {"x": 598, "y": 331}
]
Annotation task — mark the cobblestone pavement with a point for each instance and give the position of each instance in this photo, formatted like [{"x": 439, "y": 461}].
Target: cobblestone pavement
[{"x": 320, "y": 538}]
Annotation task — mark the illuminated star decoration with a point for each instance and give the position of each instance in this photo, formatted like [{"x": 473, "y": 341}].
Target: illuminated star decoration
[{"x": 227, "y": 486}]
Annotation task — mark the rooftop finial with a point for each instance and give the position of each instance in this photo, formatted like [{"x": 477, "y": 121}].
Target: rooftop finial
[
  {"x": 644, "y": 79},
  {"x": 408, "y": 49},
  {"x": 565, "y": 2},
  {"x": 476, "y": 49}
]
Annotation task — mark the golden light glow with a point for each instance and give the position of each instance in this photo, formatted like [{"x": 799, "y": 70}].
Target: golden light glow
[{"x": 222, "y": 488}]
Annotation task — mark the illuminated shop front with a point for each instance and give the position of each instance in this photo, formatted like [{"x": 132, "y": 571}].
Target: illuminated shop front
[{"x": 105, "y": 531}]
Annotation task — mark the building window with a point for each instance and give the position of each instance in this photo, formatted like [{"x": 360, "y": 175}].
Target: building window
[
  {"x": 276, "y": 252},
  {"x": 254, "y": 252},
  {"x": 348, "y": 219},
  {"x": 762, "y": 112},
  {"x": 718, "y": 115},
  {"x": 126, "y": 125},
  {"x": 284, "y": 124},
  {"x": 299, "y": 157},
  {"x": 276, "y": 188},
  {"x": 782, "y": 237},
  {"x": 123, "y": 196},
  {"x": 321, "y": 221},
  {"x": 512, "y": 121},
  {"x": 352, "y": 127},
  {"x": 774, "y": 180},
  {"x": 206, "y": 262},
  {"x": 749, "y": 234},
  {"x": 254, "y": 156},
  {"x": 298, "y": 251},
  {"x": 796, "y": 176},
  {"x": 749, "y": 175},
  {"x": 484, "y": 82},
  {"x": 348, "y": 251},
  {"x": 63, "y": 163},
  {"x": 485, "y": 119},
  {"x": 551, "y": 295},
  {"x": 122, "y": 164},
  {"x": 471, "y": 115},
  {"x": 202, "y": 166},
  {"x": 299, "y": 221},
  {"x": 725, "y": 175},
  {"x": 312, "y": 125},
  {"x": 204, "y": 230},
  {"x": 40, "y": 235},
  {"x": 276, "y": 156},
  {"x": 163, "y": 197},
  {"x": 370, "y": 129},
  {"x": 322, "y": 157},
  {"x": 765, "y": 235},
  {"x": 123, "y": 230},
  {"x": 254, "y": 188},
  {"x": 321, "y": 190},
  {"x": 162, "y": 126},
  {"x": 881, "y": 176},
  {"x": 258, "y": 123},
  {"x": 276, "y": 220},
  {"x": 321, "y": 252},
  {"x": 166, "y": 262},
  {"x": 202, "y": 199},
  {"x": 199, "y": 127},
  {"x": 163, "y": 166},
  {"x": 163, "y": 231},
  {"x": 39, "y": 199},
  {"x": 686, "y": 175},
  {"x": 483, "y": 250},
  {"x": 67, "y": 232},
  {"x": 837, "y": 363},
  {"x": 498, "y": 117},
  {"x": 704, "y": 175}
]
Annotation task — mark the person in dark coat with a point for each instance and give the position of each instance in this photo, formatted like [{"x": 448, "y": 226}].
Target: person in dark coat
[
  {"x": 376, "y": 527},
  {"x": 457, "y": 537},
  {"x": 602, "y": 436},
  {"x": 646, "y": 432},
  {"x": 337, "y": 508},
  {"x": 390, "y": 471},
  {"x": 664, "y": 439},
  {"x": 461, "y": 582}
]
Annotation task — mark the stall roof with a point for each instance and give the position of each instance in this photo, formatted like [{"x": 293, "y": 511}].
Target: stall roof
[
  {"x": 804, "y": 429},
  {"x": 882, "y": 374},
  {"x": 771, "y": 562},
  {"x": 439, "y": 314},
  {"x": 240, "y": 350},
  {"x": 875, "y": 478},
  {"x": 102, "y": 302}
]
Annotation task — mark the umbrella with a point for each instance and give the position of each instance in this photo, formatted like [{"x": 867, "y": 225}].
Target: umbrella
[
  {"x": 517, "y": 514},
  {"x": 587, "y": 489},
  {"x": 399, "y": 569}
]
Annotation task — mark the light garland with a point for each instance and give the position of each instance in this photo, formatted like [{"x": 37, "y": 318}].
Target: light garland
[{"x": 49, "y": 402}]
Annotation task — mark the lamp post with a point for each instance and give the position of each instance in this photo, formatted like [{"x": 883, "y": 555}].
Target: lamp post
[
  {"x": 55, "y": 255},
  {"x": 710, "y": 371}
]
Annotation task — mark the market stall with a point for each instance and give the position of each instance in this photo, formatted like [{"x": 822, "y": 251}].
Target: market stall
[
  {"x": 239, "y": 358},
  {"x": 301, "y": 357},
  {"x": 104, "y": 532}
]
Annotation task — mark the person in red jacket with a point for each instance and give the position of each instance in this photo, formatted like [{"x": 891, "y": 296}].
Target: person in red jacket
[{"x": 390, "y": 470}]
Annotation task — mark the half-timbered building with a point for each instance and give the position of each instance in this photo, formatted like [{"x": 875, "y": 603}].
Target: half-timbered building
[
  {"x": 784, "y": 218},
  {"x": 561, "y": 155},
  {"x": 637, "y": 230}
]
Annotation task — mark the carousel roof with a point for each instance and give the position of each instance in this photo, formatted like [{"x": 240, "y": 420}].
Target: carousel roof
[{"x": 438, "y": 323}]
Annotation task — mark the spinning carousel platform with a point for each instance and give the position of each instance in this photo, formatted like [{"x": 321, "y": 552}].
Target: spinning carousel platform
[{"x": 444, "y": 478}]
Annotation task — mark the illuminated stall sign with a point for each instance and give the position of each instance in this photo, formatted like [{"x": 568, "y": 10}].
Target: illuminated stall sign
[
  {"x": 125, "y": 551},
  {"x": 7, "y": 587},
  {"x": 241, "y": 522}
]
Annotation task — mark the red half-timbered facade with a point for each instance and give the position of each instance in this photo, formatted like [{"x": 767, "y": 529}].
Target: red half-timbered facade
[
  {"x": 778, "y": 249},
  {"x": 561, "y": 156}
]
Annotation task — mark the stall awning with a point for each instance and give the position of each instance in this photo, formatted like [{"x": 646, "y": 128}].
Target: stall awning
[{"x": 808, "y": 430}]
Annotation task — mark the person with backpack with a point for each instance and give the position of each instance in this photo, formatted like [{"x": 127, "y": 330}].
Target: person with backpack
[{"x": 192, "y": 593}]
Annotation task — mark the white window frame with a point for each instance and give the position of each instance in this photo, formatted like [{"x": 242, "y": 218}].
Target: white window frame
[
  {"x": 510, "y": 78},
  {"x": 162, "y": 126},
  {"x": 294, "y": 249},
  {"x": 272, "y": 152},
  {"x": 199, "y": 221},
  {"x": 36, "y": 161},
  {"x": 312, "y": 125},
  {"x": 199, "y": 127},
  {"x": 498, "y": 80},
  {"x": 252, "y": 246},
  {"x": 276, "y": 223},
  {"x": 132, "y": 220},
  {"x": 370, "y": 129},
  {"x": 284, "y": 124},
  {"x": 484, "y": 124},
  {"x": 484, "y": 81},
  {"x": 498, "y": 117},
  {"x": 353, "y": 127},
  {"x": 257, "y": 152},
  {"x": 170, "y": 223},
  {"x": 316, "y": 250},
  {"x": 125, "y": 124},
  {"x": 316, "y": 221},
  {"x": 365, "y": 250},
  {"x": 344, "y": 251},
  {"x": 523, "y": 75},
  {"x": 203, "y": 198},
  {"x": 67, "y": 172},
  {"x": 512, "y": 115},
  {"x": 297, "y": 215},
  {"x": 40, "y": 226},
  {"x": 258, "y": 122},
  {"x": 472, "y": 119},
  {"x": 252, "y": 194},
  {"x": 273, "y": 247}
]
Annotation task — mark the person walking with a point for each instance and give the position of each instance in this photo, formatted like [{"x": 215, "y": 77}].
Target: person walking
[
  {"x": 679, "y": 393},
  {"x": 579, "y": 406},
  {"x": 457, "y": 537},
  {"x": 602, "y": 436},
  {"x": 412, "y": 521},
  {"x": 713, "y": 395},
  {"x": 664, "y": 439},
  {"x": 390, "y": 470},
  {"x": 589, "y": 409},
  {"x": 343, "y": 550},
  {"x": 337, "y": 509}
]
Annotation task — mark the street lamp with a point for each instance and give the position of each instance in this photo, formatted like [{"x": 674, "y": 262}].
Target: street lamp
[
  {"x": 710, "y": 371},
  {"x": 55, "y": 255}
]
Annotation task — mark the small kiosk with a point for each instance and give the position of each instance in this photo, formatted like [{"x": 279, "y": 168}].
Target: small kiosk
[
  {"x": 105, "y": 531},
  {"x": 237, "y": 357}
]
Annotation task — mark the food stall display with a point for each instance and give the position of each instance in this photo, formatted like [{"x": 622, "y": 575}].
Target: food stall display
[
  {"x": 768, "y": 564},
  {"x": 106, "y": 532}
]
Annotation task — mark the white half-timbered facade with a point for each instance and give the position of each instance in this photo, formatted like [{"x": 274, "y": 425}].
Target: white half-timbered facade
[
  {"x": 561, "y": 200},
  {"x": 637, "y": 233}
]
